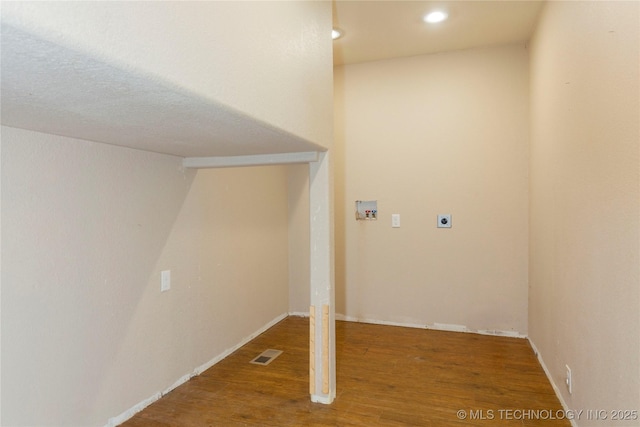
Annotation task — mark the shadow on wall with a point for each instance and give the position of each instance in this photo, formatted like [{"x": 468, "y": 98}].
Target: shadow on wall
[
  {"x": 87, "y": 228},
  {"x": 341, "y": 205},
  {"x": 83, "y": 227}
]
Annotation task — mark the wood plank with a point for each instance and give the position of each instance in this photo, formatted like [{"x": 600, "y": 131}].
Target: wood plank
[{"x": 386, "y": 376}]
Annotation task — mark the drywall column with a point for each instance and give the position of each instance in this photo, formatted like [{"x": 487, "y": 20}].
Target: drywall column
[{"x": 322, "y": 358}]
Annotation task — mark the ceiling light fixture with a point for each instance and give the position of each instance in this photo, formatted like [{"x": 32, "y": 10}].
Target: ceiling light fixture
[
  {"x": 435, "y": 17},
  {"x": 336, "y": 33}
]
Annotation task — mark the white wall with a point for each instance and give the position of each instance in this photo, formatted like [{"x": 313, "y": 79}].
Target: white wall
[
  {"x": 86, "y": 230},
  {"x": 426, "y": 135},
  {"x": 299, "y": 244},
  {"x": 585, "y": 203}
]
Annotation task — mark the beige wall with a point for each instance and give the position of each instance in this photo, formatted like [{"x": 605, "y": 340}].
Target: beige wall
[
  {"x": 585, "y": 213},
  {"x": 445, "y": 133},
  {"x": 86, "y": 229}
]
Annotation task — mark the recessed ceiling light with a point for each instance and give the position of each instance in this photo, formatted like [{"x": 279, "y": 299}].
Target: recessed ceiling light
[
  {"x": 336, "y": 33},
  {"x": 435, "y": 17}
]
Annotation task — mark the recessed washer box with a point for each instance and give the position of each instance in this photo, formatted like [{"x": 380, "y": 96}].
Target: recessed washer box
[
  {"x": 444, "y": 221},
  {"x": 366, "y": 210}
]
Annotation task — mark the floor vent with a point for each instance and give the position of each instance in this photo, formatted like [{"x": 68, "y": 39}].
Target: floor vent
[{"x": 266, "y": 357}]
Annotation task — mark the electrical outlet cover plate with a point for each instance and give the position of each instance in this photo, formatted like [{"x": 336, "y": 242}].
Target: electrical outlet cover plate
[
  {"x": 444, "y": 221},
  {"x": 165, "y": 280},
  {"x": 395, "y": 220}
]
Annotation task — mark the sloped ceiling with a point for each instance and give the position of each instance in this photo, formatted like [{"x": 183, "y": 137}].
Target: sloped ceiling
[
  {"x": 180, "y": 78},
  {"x": 53, "y": 89}
]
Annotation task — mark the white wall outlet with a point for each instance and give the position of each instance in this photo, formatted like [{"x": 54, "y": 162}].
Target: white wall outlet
[
  {"x": 395, "y": 220},
  {"x": 165, "y": 280},
  {"x": 444, "y": 221},
  {"x": 568, "y": 379}
]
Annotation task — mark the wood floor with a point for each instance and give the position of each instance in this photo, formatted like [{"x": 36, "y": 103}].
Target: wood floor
[{"x": 386, "y": 376}]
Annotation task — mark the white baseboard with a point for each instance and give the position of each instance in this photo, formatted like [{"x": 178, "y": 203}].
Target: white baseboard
[
  {"x": 553, "y": 384},
  {"x": 435, "y": 326},
  {"x": 133, "y": 410},
  {"x": 325, "y": 400},
  {"x": 376, "y": 322},
  {"x": 117, "y": 420},
  {"x": 299, "y": 313}
]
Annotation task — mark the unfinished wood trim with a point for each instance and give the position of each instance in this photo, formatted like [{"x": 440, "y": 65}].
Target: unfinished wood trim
[
  {"x": 325, "y": 349},
  {"x": 312, "y": 349}
]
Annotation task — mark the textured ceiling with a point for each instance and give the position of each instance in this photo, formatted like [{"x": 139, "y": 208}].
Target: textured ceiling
[
  {"x": 52, "y": 89},
  {"x": 375, "y": 30}
]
